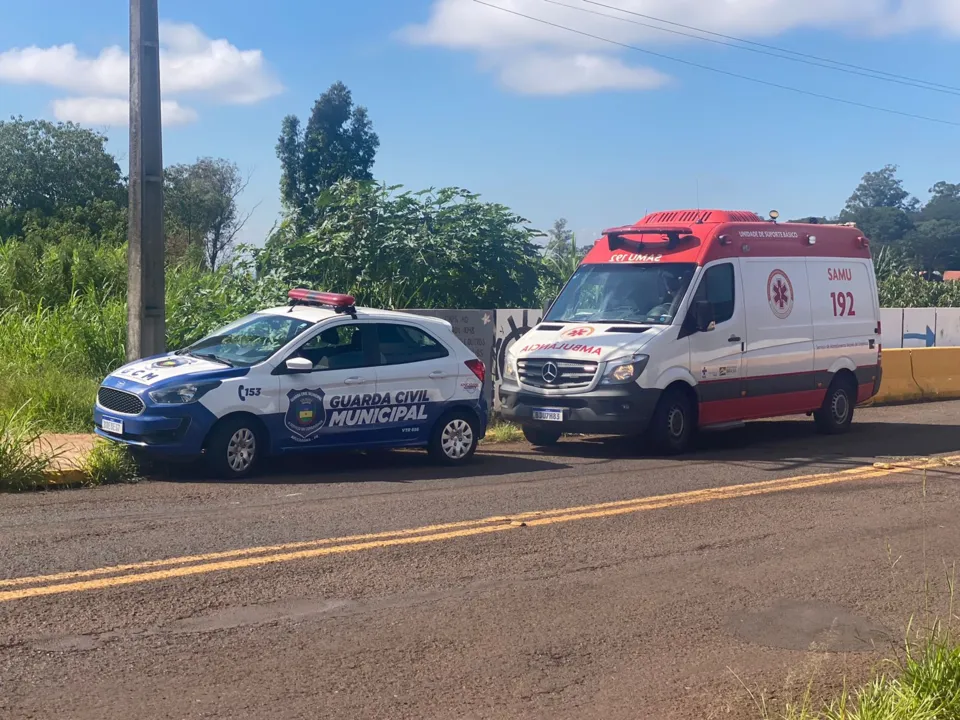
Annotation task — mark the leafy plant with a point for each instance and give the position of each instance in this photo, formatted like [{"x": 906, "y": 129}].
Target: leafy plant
[
  {"x": 24, "y": 460},
  {"x": 110, "y": 464}
]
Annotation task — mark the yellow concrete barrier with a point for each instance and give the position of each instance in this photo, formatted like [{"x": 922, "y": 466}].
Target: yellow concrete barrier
[
  {"x": 936, "y": 372},
  {"x": 898, "y": 384}
]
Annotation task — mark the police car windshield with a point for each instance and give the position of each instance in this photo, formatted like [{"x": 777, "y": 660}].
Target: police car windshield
[
  {"x": 649, "y": 294},
  {"x": 250, "y": 340}
]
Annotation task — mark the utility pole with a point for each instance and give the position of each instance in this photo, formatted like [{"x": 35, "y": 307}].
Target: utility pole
[{"x": 146, "y": 289}]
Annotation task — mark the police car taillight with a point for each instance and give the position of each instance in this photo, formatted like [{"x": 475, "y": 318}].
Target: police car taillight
[
  {"x": 477, "y": 368},
  {"x": 299, "y": 296}
]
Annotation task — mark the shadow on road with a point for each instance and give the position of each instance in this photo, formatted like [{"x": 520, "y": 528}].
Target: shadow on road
[
  {"x": 790, "y": 444},
  {"x": 393, "y": 466}
]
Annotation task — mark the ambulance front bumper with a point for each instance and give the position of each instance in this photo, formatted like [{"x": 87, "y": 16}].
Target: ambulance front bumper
[{"x": 620, "y": 410}]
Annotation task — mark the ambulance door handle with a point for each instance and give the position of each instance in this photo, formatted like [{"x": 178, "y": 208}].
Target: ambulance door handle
[
  {"x": 734, "y": 338},
  {"x": 437, "y": 375},
  {"x": 354, "y": 381}
]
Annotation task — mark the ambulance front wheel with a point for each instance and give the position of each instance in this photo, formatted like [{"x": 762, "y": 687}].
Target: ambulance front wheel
[
  {"x": 454, "y": 439},
  {"x": 672, "y": 426},
  {"x": 540, "y": 437},
  {"x": 234, "y": 448}
]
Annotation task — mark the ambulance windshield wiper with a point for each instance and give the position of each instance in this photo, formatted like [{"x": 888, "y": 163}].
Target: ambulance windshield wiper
[{"x": 617, "y": 322}]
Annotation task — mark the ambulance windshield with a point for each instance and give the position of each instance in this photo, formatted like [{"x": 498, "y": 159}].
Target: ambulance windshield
[{"x": 649, "y": 294}]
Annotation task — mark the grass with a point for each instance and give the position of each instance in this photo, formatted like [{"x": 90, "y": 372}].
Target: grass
[
  {"x": 925, "y": 685},
  {"x": 24, "y": 461},
  {"x": 56, "y": 401},
  {"x": 500, "y": 432},
  {"x": 110, "y": 464}
]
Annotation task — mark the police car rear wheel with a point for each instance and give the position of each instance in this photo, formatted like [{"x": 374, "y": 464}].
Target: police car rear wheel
[
  {"x": 454, "y": 439},
  {"x": 234, "y": 448}
]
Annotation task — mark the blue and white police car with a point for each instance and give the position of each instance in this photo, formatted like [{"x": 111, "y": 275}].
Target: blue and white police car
[{"x": 317, "y": 374}]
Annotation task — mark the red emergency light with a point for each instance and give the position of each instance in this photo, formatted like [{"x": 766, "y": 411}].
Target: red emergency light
[
  {"x": 336, "y": 301},
  {"x": 616, "y": 237}
]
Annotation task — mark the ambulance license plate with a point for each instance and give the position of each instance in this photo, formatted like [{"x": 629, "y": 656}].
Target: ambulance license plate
[
  {"x": 549, "y": 414},
  {"x": 112, "y": 426}
]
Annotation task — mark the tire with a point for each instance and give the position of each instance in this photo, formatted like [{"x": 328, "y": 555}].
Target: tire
[
  {"x": 538, "y": 437},
  {"x": 673, "y": 423},
  {"x": 836, "y": 414},
  {"x": 454, "y": 438},
  {"x": 235, "y": 448}
]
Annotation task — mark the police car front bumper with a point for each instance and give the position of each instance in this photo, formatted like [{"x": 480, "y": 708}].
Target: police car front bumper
[
  {"x": 172, "y": 431},
  {"x": 620, "y": 410}
]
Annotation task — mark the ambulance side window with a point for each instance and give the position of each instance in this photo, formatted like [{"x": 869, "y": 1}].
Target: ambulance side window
[{"x": 718, "y": 287}]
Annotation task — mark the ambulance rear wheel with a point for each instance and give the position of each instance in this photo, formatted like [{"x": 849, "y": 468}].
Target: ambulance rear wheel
[
  {"x": 234, "y": 448},
  {"x": 538, "y": 437},
  {"x": 836, "y": 414},
  {"x": 454, "y": 439},
  {"x": 672, "y": 426}
]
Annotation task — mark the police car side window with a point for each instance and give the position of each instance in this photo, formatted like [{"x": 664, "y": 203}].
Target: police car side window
[
  {"x": 718, "y": 287},
  {"x": 401, "y": 344},
  {"x": 336, "y": 348}
]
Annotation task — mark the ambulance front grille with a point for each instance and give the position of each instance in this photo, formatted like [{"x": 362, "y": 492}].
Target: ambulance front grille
[
  {"x": 556, "y": 374},
  {"x": 119, "y": 401}
]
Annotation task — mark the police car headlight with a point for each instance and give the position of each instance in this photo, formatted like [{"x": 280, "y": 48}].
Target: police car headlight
[
  {"x": 624, "y": 370},
  {"x": 182, "y": 394}
]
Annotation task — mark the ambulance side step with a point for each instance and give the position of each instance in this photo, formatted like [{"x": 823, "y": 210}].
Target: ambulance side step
[{"x": 735, "y": 425}]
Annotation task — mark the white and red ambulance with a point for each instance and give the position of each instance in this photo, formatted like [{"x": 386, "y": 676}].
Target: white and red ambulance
[{"x": 702, "y": 319}]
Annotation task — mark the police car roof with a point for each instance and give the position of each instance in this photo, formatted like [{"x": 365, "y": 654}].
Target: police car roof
[{"x": 314, "y": 314}]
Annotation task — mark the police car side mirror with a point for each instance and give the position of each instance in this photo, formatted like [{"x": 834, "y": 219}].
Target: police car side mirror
[
  {"x": 299, "y": 365},
  {"x": 706, "y": 321}
]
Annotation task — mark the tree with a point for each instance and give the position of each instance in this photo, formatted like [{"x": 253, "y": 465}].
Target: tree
[
  {"x": 881, "y": 207},
  {"x": 200, "y": 205},
  {"x": 393, "y": 248},
  {"x": 46, "y": 168},
  {"x": 881, "y": 189},
  {"x": 337, "y": 144}
]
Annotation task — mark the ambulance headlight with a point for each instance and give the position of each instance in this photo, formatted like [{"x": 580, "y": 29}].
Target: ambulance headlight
[
  {"x": 510, "y": 367},
  {"x": 621, "y": 371},
  {"x": 183, "y": 394}
]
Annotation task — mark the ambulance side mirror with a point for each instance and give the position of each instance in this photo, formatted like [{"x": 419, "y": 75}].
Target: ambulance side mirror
[
  {"x": 706, "y": 320},
  {"x": 299, "y": 365}
]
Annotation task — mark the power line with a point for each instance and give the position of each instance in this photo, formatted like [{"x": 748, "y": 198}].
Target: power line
[
  {"x": 778, "y": 49},
  {"x": 791, "y": 57},
  {"x": 690, "y": 63}
]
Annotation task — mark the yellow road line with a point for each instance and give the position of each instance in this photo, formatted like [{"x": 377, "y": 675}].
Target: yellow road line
[
  {"x": 435, "y": 533},
  {"x": 519, "y": 517}
]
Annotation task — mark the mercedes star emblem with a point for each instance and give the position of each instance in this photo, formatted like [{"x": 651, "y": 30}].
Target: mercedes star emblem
[{"x": 550, "y": 372}]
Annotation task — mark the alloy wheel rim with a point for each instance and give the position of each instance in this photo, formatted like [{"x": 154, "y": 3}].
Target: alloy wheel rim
[
  {"x": 456, "y": 439},
  {"x": 242, "y": 450}
]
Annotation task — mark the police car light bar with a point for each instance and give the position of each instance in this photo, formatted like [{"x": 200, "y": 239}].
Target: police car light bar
[
  {"x": 340, "y": 303},
  {"x": 616, "y": 240}
]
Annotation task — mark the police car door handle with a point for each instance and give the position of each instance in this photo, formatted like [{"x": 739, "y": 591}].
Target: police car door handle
[
  {"x": 438, "y": 375},
  {"x": 354, "y": 381},
  {"x": 734, "y": 338}
]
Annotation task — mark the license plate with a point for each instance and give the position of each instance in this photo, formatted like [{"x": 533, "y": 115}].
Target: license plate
[
  {"x": 112, "y": 426},
  {"x": 549, "y": 414}
]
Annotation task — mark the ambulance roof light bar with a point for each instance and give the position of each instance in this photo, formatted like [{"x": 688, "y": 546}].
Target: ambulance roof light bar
[
  {"x": 337, "y": 302},
  {"x": 617, "y": 241}
]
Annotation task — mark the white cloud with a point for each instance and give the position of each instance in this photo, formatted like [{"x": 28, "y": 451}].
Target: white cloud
[
  {"x": 506, "y": 43},
  {"x": 190, "y": 63},
  {"x": 114, "y": 111},
  {"x": 548, "y": 74}
]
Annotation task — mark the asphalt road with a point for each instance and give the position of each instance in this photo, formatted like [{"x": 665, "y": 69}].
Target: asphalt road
[{"x": 589, "y": 582}]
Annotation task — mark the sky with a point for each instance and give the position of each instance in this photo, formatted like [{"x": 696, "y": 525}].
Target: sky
[{"x": 549, "y": 122}]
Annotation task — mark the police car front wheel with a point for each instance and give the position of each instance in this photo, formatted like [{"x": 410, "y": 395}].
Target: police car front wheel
[
  {"x": 454, "y": 439},
  {"x": 233, "y": 448}
]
